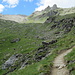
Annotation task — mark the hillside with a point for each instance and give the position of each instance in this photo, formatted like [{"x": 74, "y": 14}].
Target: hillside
[
  {"x": 30, "y": 48},
  {"x": 39, "y": 16},
  {"x": 16, "y": 18}
]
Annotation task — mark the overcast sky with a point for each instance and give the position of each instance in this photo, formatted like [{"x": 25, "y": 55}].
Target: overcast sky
[{"x": 28, "y": 6}]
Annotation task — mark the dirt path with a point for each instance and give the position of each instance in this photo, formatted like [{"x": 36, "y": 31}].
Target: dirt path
[{"x": 59, "y": 67}]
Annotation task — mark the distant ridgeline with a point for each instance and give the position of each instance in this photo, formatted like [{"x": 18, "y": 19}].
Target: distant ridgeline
[{"x": 39, "y": 16}]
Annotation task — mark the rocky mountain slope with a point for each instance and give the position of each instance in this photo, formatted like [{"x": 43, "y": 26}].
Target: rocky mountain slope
[
  {"x": 30, "y": 49},
  {"x": 39, "y": 16}
]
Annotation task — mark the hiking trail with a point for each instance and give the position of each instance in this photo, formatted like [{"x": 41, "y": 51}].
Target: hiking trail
[{"x": 59, "y": 67}]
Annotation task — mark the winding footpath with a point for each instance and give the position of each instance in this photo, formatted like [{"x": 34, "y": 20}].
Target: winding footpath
[{"x": 59, "y": 67}]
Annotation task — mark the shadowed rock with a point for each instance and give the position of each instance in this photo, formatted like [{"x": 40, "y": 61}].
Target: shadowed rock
[{"x": 48, "y": 43}]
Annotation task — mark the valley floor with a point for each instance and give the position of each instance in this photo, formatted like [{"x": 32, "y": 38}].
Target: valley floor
[{"x": 59, "y": 67}]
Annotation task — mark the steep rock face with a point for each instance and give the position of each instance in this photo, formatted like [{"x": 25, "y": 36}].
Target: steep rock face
[
  {"x": 44, "y": 14},
  {"x": 51, "y": 13},
  {"x": 47, "y": 9}
]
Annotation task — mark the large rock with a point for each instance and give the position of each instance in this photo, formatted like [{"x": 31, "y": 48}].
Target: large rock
[
  {"x": 10, "y": 61},
  {"x": 53, "y": 41},
  {"x": 15, "y": 40},
  {"x": 48, "y": 43},
  {"x": 45, "y": 43}
]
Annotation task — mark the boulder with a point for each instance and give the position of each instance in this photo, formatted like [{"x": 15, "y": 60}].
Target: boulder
[
  {"x": 45, "y": 43},
  {"x": 53, "y": 41},
  {"x": 57, "y": 32},
  {"x": 15, "y": 40}
]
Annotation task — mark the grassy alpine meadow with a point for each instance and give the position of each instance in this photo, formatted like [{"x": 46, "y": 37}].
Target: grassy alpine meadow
[
  {"x": 45, "y": 65},
  {"x": 29, "y": 40}
]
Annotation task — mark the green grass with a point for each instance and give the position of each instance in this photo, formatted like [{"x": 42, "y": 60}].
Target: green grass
[
  {"x": 32, "y": 35},
  {"x": 44, "y": 65},
  {"x": 37, "y": 68},
  {"x": 71, "y": 59}
]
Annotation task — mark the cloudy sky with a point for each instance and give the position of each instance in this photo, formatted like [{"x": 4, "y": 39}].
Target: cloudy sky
[{"x": 28, "y": 6}]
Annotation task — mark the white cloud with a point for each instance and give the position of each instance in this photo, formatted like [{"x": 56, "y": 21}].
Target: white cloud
[
  {"x": 28, "y": 0},
  {"x": 11, "y": 3},
  {"x": 42, "y": 4},
  {"x": 1, "y": 8}
]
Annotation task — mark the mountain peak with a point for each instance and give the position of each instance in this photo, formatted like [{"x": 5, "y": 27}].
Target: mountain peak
[
  {"x": 51, "y": 8},
  {"x": 54, "y": 7},
  {"x": 47, "y": 8}
]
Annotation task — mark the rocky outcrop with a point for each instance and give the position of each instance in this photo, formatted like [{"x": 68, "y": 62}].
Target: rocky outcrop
[
  {"x": 52, "y": 13},
  {"x": 10, "y": 61},
  {"x": 67, "y": 27},
  {"x": 51, "y": 8},
  {"x": 64, "y": 24},
  {"x": 41, "y": 53},
  {"x": 54, "y": 7},
  {"x": 67, "y": 24},
  {"x": 47, "y": 9},
  {"x": 50, "y": 19},
  {"x": 19, "y": 61}
]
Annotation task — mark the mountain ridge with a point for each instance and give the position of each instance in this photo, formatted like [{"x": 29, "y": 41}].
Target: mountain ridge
[{"x": 39, "y": 16}]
